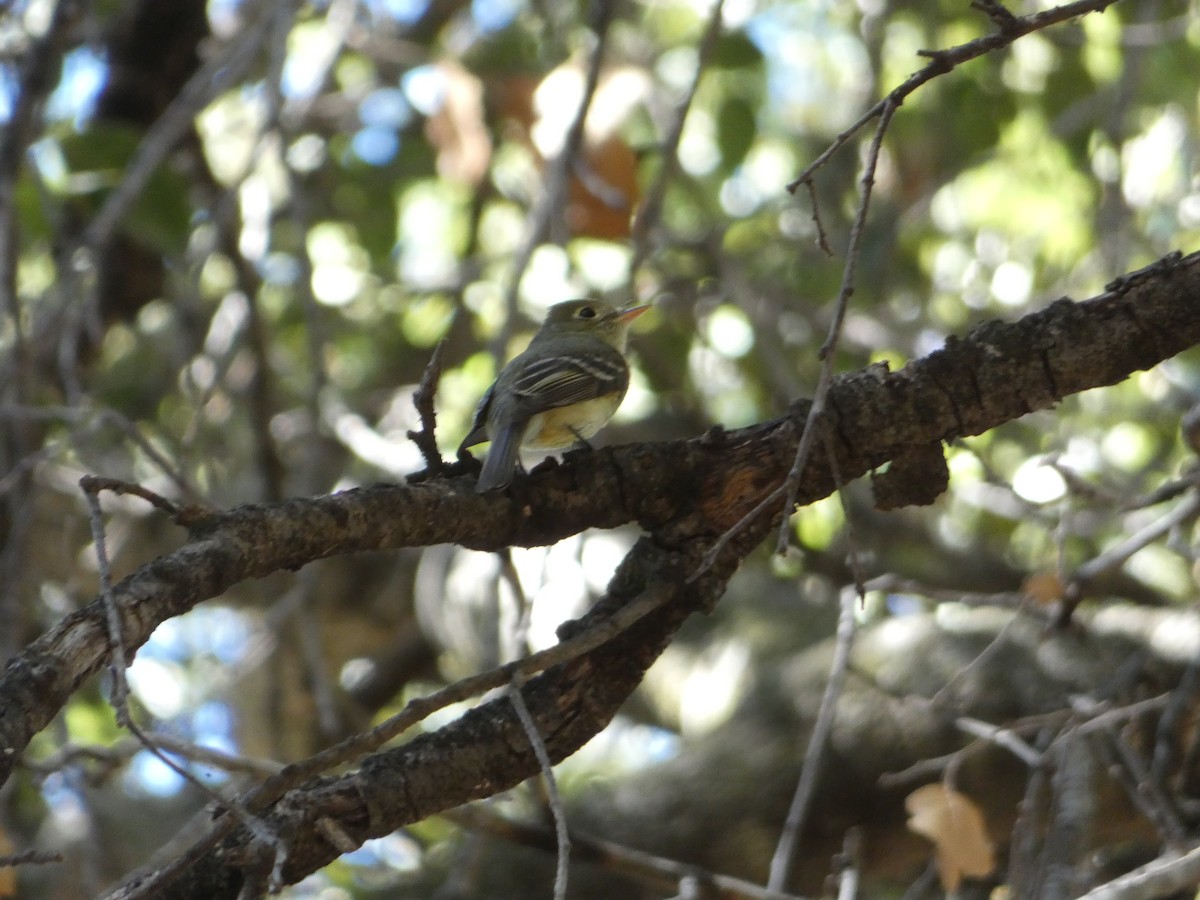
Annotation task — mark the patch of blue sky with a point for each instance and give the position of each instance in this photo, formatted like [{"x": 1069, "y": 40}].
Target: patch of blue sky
[
  {"x": 84, "y": 74},
  {"x": 279, "y": 268},
  {"x": 425, "y": 88},
  {"x": 403, "y": 12},
  {"x": 906, "y": 604},
  {"x": 397, "y": 851},
  {"x": 8, "y": 92},
  {"x": 148, "y": 774},
  {"x": 493, "y": 15},
  {"x": 212, "y": 725},
  {"x": 61, "y": 794},
  {"x": 798, "y": 42},
  {"x": 385, "y": 107},
  {"x": 223, "y": 14},
  {"x": 375, "y": 146},
  {"x": 300, "y": 78},
  {"x": 215, "y": 631}
]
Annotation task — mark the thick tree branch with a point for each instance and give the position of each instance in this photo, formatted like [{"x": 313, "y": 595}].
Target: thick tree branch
[{"x": 686, "y": 494}]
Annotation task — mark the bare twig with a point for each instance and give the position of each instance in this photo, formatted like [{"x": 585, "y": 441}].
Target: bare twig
[
  {"x": 557, "y": 810},
  {"x": 119, "y": 699},
  {"x": 706, "y": 561},
  {"x": 114, "y": 756},
  {"x": 215, "y": 76},
  {"x": 1164, "y": 877},
  {"x": 1174, "y": 714},
  {"x": 944, "y": 61},
  {"x": 993, "y": 646},
  {"x": 30, "y": 858},
  {"x": 822, "y": 237},
  {"x": 848, "y": 877},
  {"x": 555, "y": 183},
  {"x": 272, "y": 789},
  {"x": 423, "y": 396},
  {"x": 781, "y": 862},
  {"x": 1144, "y": 793},
  {"x": 519, "y": 646},
  {"x": 655, "y": 871},
  {"x": 37, "y": 78},
  {"x": 827, "y": 354},
  {"x": 1117, "y": 555},
  {"x": 651, "y": 210},
  {"x": 120, "y": 689},
  {"x": 1101, "y": 718},
  {"x": 1001, "y": 737},
  {"x": 93, "y": 484}
]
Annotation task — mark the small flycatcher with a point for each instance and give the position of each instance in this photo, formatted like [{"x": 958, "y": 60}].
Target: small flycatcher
[{"x": 559, "y": 392}]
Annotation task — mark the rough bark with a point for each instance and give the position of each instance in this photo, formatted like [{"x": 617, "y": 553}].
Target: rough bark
[{"x": 685, "y": 494}]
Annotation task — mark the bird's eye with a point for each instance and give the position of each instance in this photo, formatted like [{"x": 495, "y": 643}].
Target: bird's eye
[{"x": 587, "y": 312}]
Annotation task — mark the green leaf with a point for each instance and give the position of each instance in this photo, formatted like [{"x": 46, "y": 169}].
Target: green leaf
[
  {"x": 736, "y": 51},
  {"x": 737, "y": 127}
]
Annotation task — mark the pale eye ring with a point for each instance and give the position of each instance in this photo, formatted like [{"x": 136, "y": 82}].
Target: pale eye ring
[{"x": 586, "y": 312}]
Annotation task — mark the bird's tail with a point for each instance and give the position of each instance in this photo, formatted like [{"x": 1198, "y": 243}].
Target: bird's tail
[{"x": 501, "y": 459}]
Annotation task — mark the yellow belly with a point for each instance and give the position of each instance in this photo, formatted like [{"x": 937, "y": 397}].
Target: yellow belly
[{"x": 562, "y": 427}]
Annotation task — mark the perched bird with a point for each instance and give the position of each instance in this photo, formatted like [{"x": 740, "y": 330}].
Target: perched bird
[{"x": 559, "y": 392}]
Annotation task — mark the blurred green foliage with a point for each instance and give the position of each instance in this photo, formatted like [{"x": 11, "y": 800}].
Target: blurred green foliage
[{"x": 313, "y": 260}]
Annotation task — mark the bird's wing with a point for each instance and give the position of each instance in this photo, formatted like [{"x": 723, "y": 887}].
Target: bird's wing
[
  {"x": 552, "y": 381},
  {"x": 478, "y": 433}
]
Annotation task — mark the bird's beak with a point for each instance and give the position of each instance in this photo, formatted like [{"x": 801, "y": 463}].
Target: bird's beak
[{"x": 628, "y": 315}]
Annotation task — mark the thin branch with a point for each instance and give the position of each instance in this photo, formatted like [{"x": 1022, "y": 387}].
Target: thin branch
[
  {"x": 714, "y": 552},
  {"x": 822, "y": 237},
  {"x": 120, "y": 688},
  {"x": 826, "y": 353},
  {"x": 219, "y": 73},
  {"x": 519, "y": 646},
  {"x": 848, "y": 877},
  {"x": 656, "y": 871},
  {"x": 271, "y": 790},
  {"x": 93, "y": 484},
  {"x": 781, "y": 863},
  {"x": 30, "y": 858},
  {"x": 1132, "y": 773},
  {"x": 119, "y": 699},
  {"x": 38, "y": 75},
  {"x": 554, "y": 185},
  {"x": 1001, "y": 737},
  {"x": 423, "y": 398},
  {"x": 785, "y": 850},
  {"x": 1101, "y": 718},
  {"x": 1120, "y": 552},
  {"x": 557, "y": 810},
  {"x": 111, "y": 757},
  {"x": 1166, "y": 876},
  {"x": 992, "y": 648},
  {"x": 944, "y": 61},
  {"x": 651, "y": 210}
]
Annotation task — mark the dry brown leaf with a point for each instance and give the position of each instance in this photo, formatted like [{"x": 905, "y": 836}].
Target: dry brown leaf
[
  {"x": 8, "y": 874},
  {"x": 955, "y": 825},
  {"x": 458, "y": 129},
  {"x": 1043, "y": 588},
  {"x": 603, "y": 188},
  {"x": 603, "y": 191}
]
